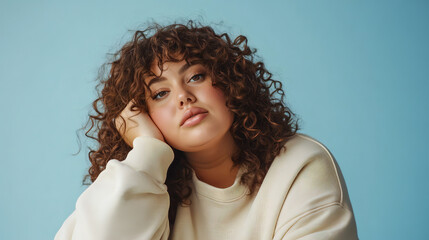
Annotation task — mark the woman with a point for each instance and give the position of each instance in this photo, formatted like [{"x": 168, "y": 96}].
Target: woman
[{"x": 195, "y": 142}]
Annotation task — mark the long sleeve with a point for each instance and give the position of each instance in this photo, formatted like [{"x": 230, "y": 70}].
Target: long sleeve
[
  {"x": 317, "y": 204},
  {"x": 129, "y": 199}
]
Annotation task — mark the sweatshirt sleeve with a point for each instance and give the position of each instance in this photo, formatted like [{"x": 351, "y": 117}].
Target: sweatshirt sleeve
[
  {"x": 128, "y": 200},
  {"x": 317, "y": 204}
]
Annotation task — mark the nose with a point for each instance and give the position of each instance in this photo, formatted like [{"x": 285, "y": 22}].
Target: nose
[{"x": 185, "y": 97}]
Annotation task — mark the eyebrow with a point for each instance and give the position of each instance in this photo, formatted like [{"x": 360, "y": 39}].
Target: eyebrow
[{"x": 160, "y": 79}]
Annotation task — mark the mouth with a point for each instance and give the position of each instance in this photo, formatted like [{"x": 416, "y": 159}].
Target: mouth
[
  {"x": 194, "y": 120},
  {"x": 193, "y": 116}
]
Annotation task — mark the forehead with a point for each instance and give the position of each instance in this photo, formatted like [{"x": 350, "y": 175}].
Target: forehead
[
  {"x": 159, "y": 78},
  {"x": 156, "y": 70}
]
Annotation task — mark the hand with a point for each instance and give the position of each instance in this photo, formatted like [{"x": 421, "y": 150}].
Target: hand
[{"x": 137, "y": 125}]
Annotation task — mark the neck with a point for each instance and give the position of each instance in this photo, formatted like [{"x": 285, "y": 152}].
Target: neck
[{"x": 214, "y": 165}]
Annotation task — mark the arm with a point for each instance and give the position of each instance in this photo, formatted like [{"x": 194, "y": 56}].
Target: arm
[
  {"x": 129, "y": 199},
  {"x": 317, "y": 204}
]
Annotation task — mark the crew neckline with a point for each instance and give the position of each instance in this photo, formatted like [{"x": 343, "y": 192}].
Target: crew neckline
[{"x": 229, "y": 194}]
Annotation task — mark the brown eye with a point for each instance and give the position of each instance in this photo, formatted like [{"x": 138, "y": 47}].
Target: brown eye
[
  {"x": 159, "y": 94},
  {"x": 197, "y": 77}
]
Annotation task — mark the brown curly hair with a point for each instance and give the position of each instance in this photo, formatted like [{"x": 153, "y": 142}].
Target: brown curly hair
[{"x": 262, "y": 121}]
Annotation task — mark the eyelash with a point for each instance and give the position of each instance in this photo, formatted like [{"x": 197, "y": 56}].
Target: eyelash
[{"x": 201, "y": 77}]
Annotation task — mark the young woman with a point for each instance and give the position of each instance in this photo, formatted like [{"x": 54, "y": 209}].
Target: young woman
[{"x": 195, "y": 142}]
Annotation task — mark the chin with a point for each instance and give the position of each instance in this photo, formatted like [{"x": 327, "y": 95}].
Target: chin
[
  {"x": 197, "y": 139},
  {"x": 188, "y": 146},
  {"x": 191, "y": 144}
]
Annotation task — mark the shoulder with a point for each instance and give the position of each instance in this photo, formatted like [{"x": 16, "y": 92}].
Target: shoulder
[
  {"x": 302, "y": 150},
  {"x": 300, "y": 153},
  {"x": 304, "y": 185},
  {"x": 302, "y": 147},
  {"x": 310, "y": 174}
]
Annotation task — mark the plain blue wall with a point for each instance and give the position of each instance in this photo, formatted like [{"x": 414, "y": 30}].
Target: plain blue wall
[{"x": 356, "y": 72}]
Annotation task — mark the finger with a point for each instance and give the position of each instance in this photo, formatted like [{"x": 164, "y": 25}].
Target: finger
[{"x": 125, "y": 113}]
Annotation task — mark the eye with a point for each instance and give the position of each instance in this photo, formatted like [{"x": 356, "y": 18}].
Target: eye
[
  {"x": 197, "y": 77},
  {"x": 158, "y": 94}
]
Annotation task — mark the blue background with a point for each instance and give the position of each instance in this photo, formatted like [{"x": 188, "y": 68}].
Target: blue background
[{"x": 356, "y": 73}]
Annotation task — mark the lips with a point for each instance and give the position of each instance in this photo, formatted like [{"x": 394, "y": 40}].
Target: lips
[{"x": 192, "y": 112}]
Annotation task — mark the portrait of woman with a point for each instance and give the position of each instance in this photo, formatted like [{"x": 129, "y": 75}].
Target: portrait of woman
[
  {"x": 197, "y": 143},
  {"x": 241, "y": 120}
]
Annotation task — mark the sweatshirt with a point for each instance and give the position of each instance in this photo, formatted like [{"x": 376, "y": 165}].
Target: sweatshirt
[{"x": 303, "y": 196}]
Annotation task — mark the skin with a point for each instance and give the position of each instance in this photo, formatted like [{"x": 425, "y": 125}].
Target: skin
[{"x": 208, "y": 145}]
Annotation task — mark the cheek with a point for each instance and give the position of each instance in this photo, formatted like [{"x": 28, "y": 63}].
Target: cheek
[
  {"x": 161, "y": 118},
  {"x": 215, "y": 96},
  {"x": 217, "y": 100}
]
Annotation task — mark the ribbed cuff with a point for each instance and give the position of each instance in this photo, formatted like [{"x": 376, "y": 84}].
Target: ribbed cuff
[{"x": 151, "y": 156}]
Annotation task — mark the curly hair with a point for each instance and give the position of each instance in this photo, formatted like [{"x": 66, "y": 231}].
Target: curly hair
[{"x": 262, "y": 122}]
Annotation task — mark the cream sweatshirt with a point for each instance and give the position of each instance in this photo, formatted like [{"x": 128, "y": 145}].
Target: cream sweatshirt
[{"x": 303, "y": 196}]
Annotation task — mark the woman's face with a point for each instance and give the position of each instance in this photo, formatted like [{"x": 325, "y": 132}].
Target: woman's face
[{"x": 184, "y": 90}]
